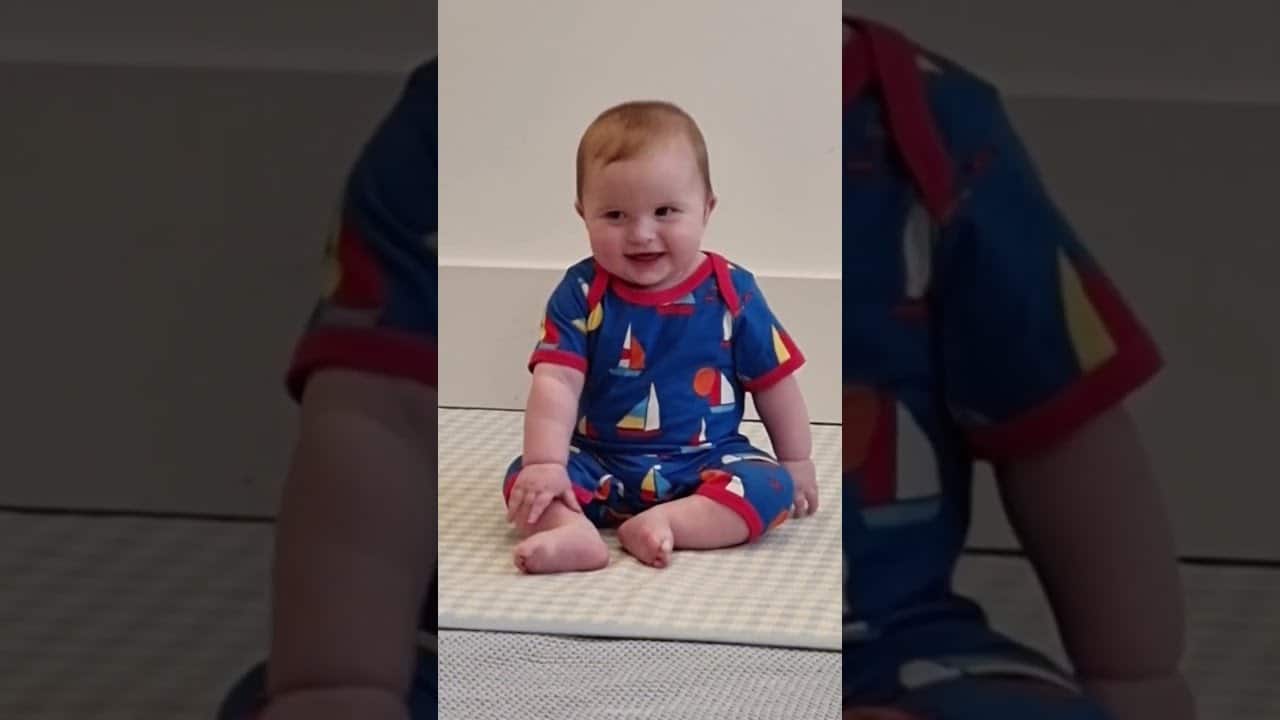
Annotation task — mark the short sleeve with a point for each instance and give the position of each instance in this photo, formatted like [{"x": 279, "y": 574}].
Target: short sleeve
[
  {"x": 563, "y": 333},
  {"x": 378, "y": 312},
  {"x": 1035, "y": 339},
  {"x": 763, "y": 351}
]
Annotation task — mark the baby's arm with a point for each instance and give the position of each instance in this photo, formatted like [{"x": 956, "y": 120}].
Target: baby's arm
[
  {"x": 786, "y": 418},
  {"x": 551, "y": 411},
  {"x": 1090, "y": 515},
  {"x": 548, "y": 427},
  {"x": 355, "y": 547}
]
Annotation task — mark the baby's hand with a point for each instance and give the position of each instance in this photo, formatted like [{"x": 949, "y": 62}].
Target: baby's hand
[
  {"x": 806, "y": 483},
  {"x": 535, "y": 488}
]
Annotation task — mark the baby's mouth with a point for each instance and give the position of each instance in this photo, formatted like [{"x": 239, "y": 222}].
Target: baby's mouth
[{"x": 644, "y": 257}]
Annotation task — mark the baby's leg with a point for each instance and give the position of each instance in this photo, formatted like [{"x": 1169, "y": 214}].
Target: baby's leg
[
  {"x": 561, "y": 540},
  {"x": 735, "y": 503},
  {"x": 690, "y": 523}
]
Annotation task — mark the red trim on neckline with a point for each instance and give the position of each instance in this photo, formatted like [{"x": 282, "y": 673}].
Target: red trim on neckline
[
  {"x": 639, "y": 296},
  {"x": 884, "y": 57},
  {"x": 856, "y": 71}
]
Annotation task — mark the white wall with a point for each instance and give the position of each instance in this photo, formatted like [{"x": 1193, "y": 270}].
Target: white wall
[{"x": 521, "y": 81}]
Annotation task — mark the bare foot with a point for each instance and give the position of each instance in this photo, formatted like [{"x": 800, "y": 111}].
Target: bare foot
[
  {"x": 573, "y": 546},
  {"x": 648, "y": 537}
]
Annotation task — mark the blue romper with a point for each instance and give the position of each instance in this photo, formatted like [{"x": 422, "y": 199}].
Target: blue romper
[
  {"x": 976, "y": 327},
  {"x": 378, "y": 311},
  {"x": 662, "y": 399}
]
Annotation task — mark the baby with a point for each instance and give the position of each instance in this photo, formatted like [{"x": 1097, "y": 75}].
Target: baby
[{"x": 647, "y": 351}]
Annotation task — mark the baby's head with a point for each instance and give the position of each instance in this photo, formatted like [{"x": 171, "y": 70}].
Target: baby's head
[{"x": 644, "y": 192}]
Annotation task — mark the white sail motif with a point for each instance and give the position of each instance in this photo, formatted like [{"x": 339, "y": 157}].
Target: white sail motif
[
  {"x": 644, "y": 418},
  {"x": 722, "y": 396},
  {"x": 917, "y": 252}
]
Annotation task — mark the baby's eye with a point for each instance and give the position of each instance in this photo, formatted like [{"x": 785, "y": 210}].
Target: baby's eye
[
  {"x": 666, "y": 210},
  {"x": 613, "y": 215}
]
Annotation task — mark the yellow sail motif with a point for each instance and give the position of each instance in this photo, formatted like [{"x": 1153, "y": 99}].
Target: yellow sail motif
[
  {"x": 644, "y": 418},
  {"x": 1089, "y": 336},
  {"x": 779, "y": 347}
]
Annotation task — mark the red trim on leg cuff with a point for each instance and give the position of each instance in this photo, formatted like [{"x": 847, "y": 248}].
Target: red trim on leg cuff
[{"x": 720, "y": 494}]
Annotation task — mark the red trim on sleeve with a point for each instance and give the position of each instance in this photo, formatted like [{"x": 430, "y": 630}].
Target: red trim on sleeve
[
  {"x": 385, "y": 352},
  {"x": 721, "y": 494},
  {"x": 1136, "y": 361},
  {"x": 776, "y": 375},
  {"x": 558, "y": 357}
]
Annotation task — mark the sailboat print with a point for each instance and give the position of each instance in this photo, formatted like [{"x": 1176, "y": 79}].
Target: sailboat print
[
  {"x": 654, "y": 486},
  {"x": 898, "y": 473},
  {"x": 683, "y": 306},
  {"x": 698, "y": 441},
  {"x": 631, "y": 360},
  {"x": 735, "y": 487},
  {"x": 594, "y": 316},
  {"x": 721, "y": 396},
  {"x": 917, "y": 252},
  {"x": 644, "y": 419},
  {"x": 780, "y": 348},
  {"x": 550, "y": 335},
  {"x": 603, "y": 487}
]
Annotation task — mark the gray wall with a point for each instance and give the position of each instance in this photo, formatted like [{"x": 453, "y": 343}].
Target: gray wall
[{"x": 164, "y": 230}]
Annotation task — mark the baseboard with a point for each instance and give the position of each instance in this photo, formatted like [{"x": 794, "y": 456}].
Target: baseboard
[{"x": 489, "y": 318}]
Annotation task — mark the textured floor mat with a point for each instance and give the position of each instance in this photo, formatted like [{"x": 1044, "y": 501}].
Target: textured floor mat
[
  {"x": 502, "y": 676},
  {"x": 783, "y": 591}
]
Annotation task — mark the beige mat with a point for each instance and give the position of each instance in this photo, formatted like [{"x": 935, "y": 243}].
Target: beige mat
[{"x": 783, "y": 591}]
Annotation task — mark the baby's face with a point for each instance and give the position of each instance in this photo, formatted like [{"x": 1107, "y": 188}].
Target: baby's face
[{"x": 645, "y": 215}]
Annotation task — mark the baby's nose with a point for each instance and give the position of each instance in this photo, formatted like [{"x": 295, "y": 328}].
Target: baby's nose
[{"x": 643, "y": 231}]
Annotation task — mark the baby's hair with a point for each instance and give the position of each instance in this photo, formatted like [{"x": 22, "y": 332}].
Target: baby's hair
[{"x": 623, "y": 131}]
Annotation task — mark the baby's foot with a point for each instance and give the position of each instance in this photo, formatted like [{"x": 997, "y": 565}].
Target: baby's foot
[
  {"x": 648, "y": 537},
  {"x": 567, "y": 548}
]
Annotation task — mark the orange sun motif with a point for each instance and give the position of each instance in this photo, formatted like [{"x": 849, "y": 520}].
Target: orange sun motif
[{"x": 704, "y": 382}]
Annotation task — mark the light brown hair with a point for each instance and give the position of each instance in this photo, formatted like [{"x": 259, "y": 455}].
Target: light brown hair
[{"x": 623, "y": 131}]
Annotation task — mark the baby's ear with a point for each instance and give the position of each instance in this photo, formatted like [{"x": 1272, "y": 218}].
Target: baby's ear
[
  {"x": 711, "y": 205},
  {"x": 577, "y": 207}
]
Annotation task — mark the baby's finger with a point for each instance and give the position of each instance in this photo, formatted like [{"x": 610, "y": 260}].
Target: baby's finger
[
  {"x": 539, "y": 506},
  {"x": 813, "y": 501},
  {"x": 571, "y": 499},
  {"x": 800, "y": 505}
]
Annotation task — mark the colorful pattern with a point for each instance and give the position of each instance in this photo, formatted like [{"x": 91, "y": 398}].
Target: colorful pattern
[
  {"x": 378, "y": 307},
  {"x": 613, "y": 488},
  {"x": 976, "y": 325},
  {"x": 665, "y": 371}
]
